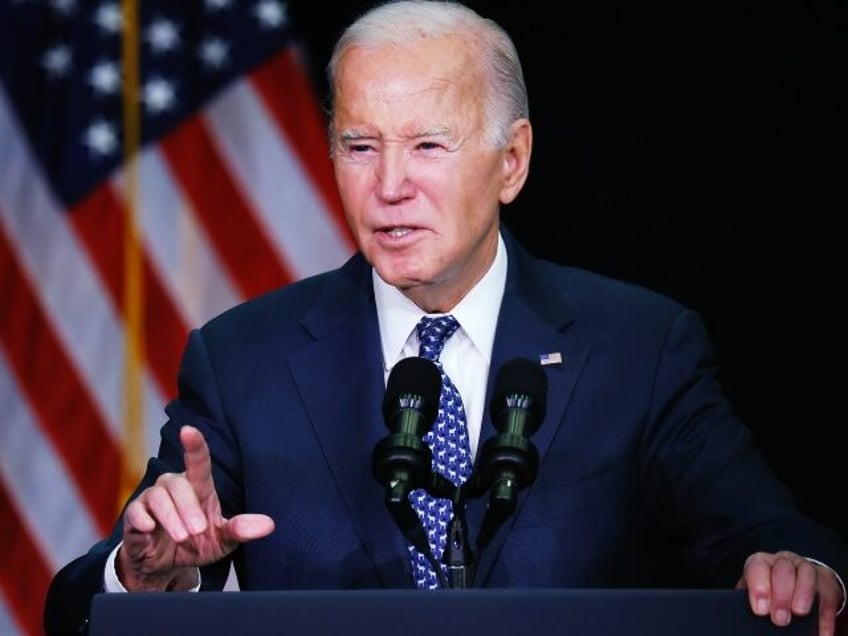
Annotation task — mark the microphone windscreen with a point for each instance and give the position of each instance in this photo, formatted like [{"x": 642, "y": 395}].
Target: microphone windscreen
[
  {"x": 414, "y": 376},
  {"x": 521, "y": 376}
]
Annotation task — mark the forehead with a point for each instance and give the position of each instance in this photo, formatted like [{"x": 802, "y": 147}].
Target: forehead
[{"x": 435, "y": 79}]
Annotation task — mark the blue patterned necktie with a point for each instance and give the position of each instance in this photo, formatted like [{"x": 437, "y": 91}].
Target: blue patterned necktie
[{"x": 448, "y": 440}]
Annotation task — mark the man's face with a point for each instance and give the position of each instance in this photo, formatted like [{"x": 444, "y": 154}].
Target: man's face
[{"x": 420, "y": 182}]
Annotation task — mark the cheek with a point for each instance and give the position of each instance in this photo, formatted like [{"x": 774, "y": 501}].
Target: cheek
[
  {"x": 476, "y": 179},
  {"x": 350, "y": 184}
]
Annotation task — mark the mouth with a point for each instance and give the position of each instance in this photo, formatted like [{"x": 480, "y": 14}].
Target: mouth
[{"x": 396, "y": 232}]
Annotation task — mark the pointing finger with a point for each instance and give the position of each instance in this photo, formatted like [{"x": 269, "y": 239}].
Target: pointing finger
[{"x": 198, "y": 463}]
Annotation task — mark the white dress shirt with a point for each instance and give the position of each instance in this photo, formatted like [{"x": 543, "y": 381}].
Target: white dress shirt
[{"x": 467, "y": 354}]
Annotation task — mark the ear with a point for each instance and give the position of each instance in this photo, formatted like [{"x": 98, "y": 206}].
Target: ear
[{"x": 516, "y": 160}]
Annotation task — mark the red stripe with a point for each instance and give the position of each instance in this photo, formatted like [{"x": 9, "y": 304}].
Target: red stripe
[
  {"x": 53, "y": 389},
  {"x": 24, "y": 576},
  {"x": 290, "y": 98},
  {"x": 99, "y": 221},
  {"x": 242, "y": 245}
]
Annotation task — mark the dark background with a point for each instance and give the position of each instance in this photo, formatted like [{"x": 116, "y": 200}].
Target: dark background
[{"x": 698, "y": 149}]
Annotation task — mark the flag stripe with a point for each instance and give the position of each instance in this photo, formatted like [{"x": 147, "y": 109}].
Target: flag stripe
[
  {"x": 270, "y": 175},
  {"x": 241, "y": 244},
  {"x": 289, "y": 98},
  {"x": 62, "y": 402},
  {"x": 100, "y": 221},
  {"x": 24, "y": 577},
  {"x": 47, "y": 248},
  {"x": 27, "y": 461},
  {"x": 8, "y": 625},
  {"x": 180, "y": 248}
]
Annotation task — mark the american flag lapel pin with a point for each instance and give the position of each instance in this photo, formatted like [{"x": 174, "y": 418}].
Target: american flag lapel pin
[{"x": 554, "y": 357}]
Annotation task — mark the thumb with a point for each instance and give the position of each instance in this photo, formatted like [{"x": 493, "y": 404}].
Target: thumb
[{"x": 247, "y": 527}]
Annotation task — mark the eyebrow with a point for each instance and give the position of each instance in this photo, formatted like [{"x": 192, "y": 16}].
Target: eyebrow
[
  {"x": 440, "y": 131},
  {"x": 353, "y": 135}
]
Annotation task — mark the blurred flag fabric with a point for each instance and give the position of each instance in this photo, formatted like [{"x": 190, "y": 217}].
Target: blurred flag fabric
[{"x": 105, "y": 263}]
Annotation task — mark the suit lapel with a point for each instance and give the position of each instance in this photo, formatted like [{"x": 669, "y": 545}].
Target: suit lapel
[
  {"x": 533, "y": 321},
  {"x": 340, "y": 379}
]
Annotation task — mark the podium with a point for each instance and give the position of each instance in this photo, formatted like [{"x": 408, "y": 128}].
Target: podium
[{"x": 471, "y": 612}]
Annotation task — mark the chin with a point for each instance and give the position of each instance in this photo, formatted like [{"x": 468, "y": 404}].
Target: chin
[
  {"x": 400, "y": 271},
  {"x": 402, "y": 279}
]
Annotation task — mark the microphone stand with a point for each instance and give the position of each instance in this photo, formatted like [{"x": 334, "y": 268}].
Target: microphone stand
[
  {"x": 509, "y": 464},
  {"x": 457, "y": 555}
]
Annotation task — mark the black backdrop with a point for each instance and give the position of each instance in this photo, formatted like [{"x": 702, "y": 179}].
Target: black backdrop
[{"x": 695, "y": 148}]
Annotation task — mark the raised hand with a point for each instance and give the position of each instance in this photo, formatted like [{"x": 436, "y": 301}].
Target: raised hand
[{"x": 176, "y": 525}]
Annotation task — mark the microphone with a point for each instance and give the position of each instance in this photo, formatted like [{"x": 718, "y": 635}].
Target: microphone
[
  {"x": 402, "y": 460},
  {"x": 509, "y": 461}
]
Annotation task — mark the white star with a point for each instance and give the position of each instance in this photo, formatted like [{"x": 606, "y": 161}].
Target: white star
[
  {"x": 105, "y": 78},
  {"x": 100, "y": 138},
  {"x": 217, "y": 5},
  {"x": 108, "y": 17},
  {"x": 214, "y": 52},
  {"x": 270, "y": 13},
  {"x": 158, "y": 95},
  {"x": 57, "y": 60},
  {"x": 162, "y": 35}
]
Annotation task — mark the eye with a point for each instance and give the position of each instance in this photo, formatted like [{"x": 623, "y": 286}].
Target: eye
[
  {"x": 359, "y": 148},
  {"x": 428, "y": 145}
]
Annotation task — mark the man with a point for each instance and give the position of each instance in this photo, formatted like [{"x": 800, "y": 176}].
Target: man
[{"x": 644, "y": 475}]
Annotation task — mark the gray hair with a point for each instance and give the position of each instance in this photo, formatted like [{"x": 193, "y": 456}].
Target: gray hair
[{"x": 397, "y": 22}]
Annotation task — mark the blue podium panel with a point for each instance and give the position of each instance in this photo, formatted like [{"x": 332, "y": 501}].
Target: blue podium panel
[{"x": 471, "y": 612}]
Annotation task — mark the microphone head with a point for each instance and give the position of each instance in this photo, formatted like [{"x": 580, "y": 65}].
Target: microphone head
[
  {"x": 524, "y": 378},
  {"x": 417, "y": 377}
]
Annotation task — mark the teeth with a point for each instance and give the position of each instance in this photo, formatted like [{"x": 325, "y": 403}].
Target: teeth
[{"x": 399, "y": 232}]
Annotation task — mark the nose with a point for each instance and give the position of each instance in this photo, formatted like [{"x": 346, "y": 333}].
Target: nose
[{"x": 393, "y": 182}]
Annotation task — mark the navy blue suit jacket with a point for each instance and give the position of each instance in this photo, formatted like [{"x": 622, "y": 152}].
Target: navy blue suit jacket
[{"x": 646, "y": 477}]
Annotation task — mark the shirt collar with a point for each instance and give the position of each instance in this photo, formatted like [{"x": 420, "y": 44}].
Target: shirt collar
[{"x": 477, "y": 313}]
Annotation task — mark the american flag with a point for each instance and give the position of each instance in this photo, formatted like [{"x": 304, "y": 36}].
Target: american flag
[{"x": 160, "y": 161}]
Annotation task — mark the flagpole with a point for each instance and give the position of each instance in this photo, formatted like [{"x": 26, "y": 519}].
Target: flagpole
[{"x": 133, "y": 298}]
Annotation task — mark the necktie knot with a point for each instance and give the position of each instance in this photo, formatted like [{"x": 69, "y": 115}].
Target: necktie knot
[{"x": 433, "y": 332}]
